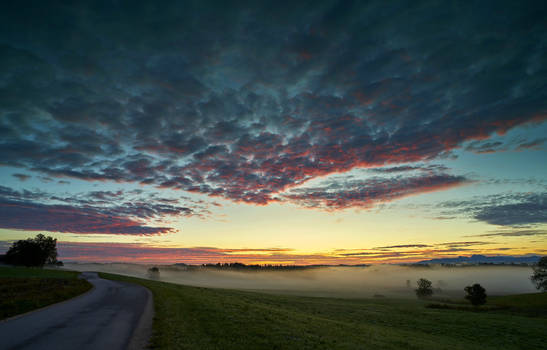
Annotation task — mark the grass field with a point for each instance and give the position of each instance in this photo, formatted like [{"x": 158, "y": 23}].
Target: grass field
[
  {"x": 24, "y": 289},
  {"x": 204, "y": 318}
]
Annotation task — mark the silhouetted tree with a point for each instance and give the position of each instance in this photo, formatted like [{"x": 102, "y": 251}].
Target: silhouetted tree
[
  {"x": 424, "y": 289},
  {"x": 33, "y": 251},
  {"x": 476, "y": 294},
  {"x": 539, "y": 277},
  {"x": 154, "y": 272}
]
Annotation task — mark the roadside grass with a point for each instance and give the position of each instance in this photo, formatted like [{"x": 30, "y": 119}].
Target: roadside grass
[
  {"x": 206, "y": 318},
  {"x": 26, "y": 289}
]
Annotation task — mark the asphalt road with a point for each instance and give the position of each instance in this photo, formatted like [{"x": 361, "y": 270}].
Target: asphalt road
[{"x": 113, "y": 315}]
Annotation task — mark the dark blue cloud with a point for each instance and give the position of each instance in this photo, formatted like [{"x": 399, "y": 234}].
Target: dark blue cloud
[
  {"x": 509, "y": 209},
  {"x": 352, "y": 193},
  {"x": 531, "y": 209},
  {"x": 247, "y": 100}
]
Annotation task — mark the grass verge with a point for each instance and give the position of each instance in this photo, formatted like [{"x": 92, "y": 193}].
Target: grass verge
[
  {"x": 204, "y": 318},
  {"x": 26, "y": 289}
]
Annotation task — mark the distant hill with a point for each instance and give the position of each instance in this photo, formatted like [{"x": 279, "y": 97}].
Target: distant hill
[{"x": 483, "y": 259}]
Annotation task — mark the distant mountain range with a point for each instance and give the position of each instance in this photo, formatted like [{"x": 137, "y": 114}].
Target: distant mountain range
[{"x": 483, "y": 259}]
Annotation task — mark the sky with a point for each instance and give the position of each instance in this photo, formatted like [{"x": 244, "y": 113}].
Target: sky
[{"x": 271, "y": 132}]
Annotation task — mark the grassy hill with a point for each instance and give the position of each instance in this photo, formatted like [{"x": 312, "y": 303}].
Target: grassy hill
[
  {"x": 24, "y": 289},
  {"x": 205, "y": 318}
]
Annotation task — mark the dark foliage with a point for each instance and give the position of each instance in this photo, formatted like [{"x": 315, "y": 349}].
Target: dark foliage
[
  {"x": 539, "y": 277},
  {"x": 424, "y": 289},
  {"x": 476, "y": 294},
  {"x": 240, "y": 266},
  {"x": 154, "y": 272},
  {"x": 36, "y": 251}
]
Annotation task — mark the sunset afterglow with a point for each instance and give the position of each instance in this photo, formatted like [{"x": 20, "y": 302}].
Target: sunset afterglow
[{"x": 177, "y": 132}]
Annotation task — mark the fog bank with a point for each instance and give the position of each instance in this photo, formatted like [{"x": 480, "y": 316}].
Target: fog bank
[{"x": 337, "y": 281}]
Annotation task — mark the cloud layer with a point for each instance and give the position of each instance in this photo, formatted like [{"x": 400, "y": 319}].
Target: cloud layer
[
  {"x": 512, "y": 209},
  {"x": 248, "y": 102},
  {"x": 347, "y": 193},
  {"x": 104, "y": 212},
  {"x": 139, "y": 253}
]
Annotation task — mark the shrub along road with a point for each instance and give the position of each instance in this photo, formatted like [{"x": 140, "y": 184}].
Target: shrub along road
[{"x": 113, "y": 315}]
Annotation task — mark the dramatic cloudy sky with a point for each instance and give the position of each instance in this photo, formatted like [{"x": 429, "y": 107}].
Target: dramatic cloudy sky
[{"x": 263, "y": 131}]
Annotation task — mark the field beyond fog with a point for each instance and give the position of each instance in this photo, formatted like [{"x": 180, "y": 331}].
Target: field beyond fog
[{"x": 336, "y": 281}]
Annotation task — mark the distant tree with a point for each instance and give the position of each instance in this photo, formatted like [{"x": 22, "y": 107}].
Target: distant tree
[
  {"x": 36, "y": 251},
  {"x": 424, "y": 289},
  {"x": 154, "y": 272},
  {"x": 539, "y": 277},
  {"x": 476, "y": 294}
]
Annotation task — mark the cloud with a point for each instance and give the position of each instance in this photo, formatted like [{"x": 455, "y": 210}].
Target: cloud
[
  {"x": 464, "y": 244},
  {"x": 58, "y": 218},
  {"x": 532, "y": 144},
  {"x": 514, "y": 233},
  {"x": 490, "y": 146},
  {"x": 351, "y": 193},
  {"x": 141, "y": 253},
  {"x": 407, "y": 254},
  {"x": 433, "y": 168},
  {"x": 248, "y": 102},
  {"x": 404, "y": 246},
  {"x": 533, "y": 210},
  {"x": 510, "y": 209},
  {"x": 22, "y": 177},
  {"x": 104, "y": 212},
  {"x": 486, "y": 147},
  {"x": 135, "y": 252}
]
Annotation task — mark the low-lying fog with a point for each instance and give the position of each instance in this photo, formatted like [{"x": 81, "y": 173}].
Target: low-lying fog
[{"x": 386, "y": 280}]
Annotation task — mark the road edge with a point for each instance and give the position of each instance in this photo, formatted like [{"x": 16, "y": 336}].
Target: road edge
[{"x": 140, "y": 338}]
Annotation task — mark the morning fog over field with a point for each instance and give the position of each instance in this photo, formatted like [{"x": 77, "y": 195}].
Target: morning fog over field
[{"x": 337, "y": 281}]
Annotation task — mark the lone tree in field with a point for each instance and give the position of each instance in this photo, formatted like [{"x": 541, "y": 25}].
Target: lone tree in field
[
  {"x": 539, "y": 277},
  {"x": 476, "y": 294},
  {"x": 36, "y": 251},
  {"x": 424, "y": 289}
]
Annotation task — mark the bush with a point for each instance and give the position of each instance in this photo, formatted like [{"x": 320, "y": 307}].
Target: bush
[
  {"x": 476, "y": 294},
  {"x": 539, "y": 277},
  {"x": 36, "y": 251},
  {"x": 424, "y": 289}
]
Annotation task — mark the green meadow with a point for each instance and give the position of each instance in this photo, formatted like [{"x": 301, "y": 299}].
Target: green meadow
[
  {"x": 206, "y": 318},
  {"x": 24, "y": 289}
]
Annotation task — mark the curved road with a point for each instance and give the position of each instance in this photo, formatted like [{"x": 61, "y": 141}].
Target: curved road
[{"x": 113, "y": 315}]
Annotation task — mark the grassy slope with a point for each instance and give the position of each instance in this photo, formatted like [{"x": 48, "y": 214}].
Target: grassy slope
[
  {"x": 25, "y": 289},
  {"x": 204, "y": 318}
]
